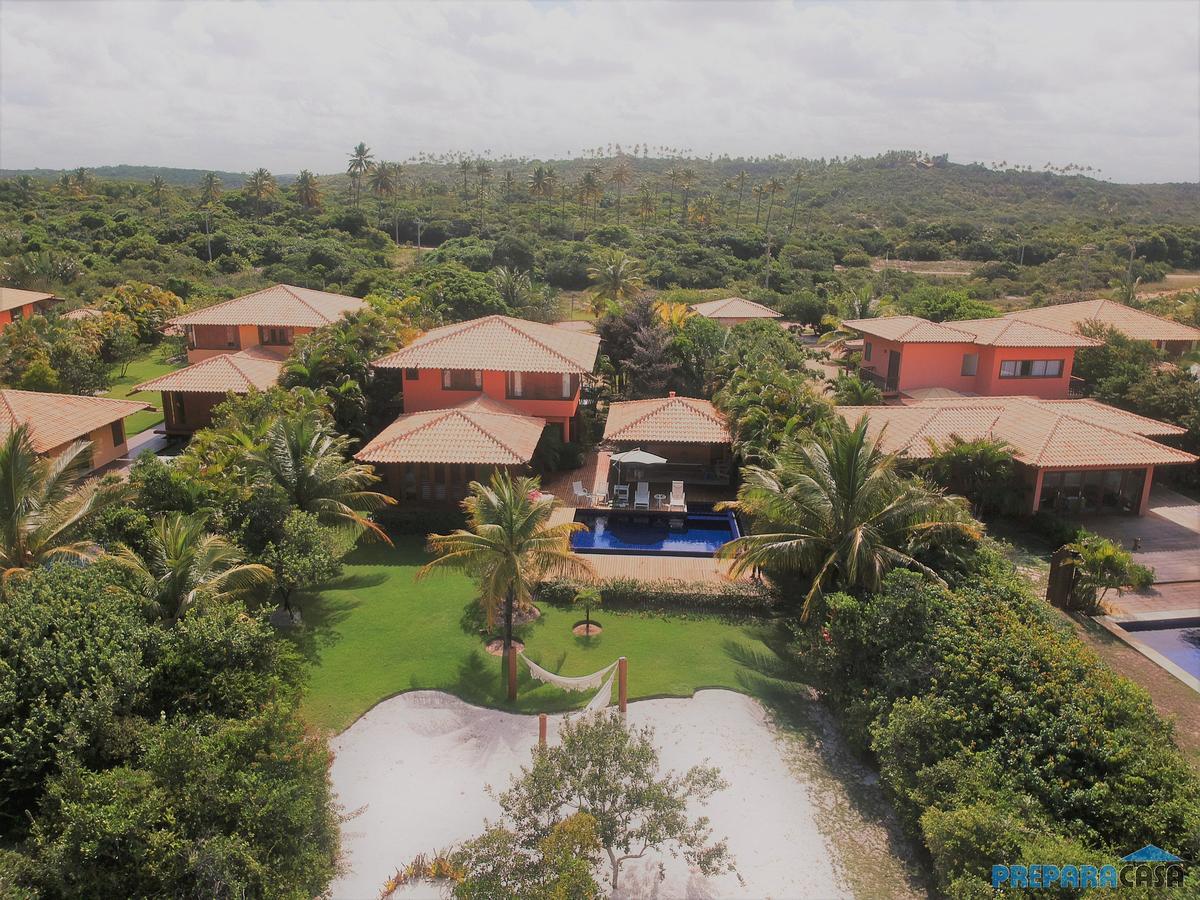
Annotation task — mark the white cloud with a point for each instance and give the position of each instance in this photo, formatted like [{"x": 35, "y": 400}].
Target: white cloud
[{"x": 290, "y": 84}]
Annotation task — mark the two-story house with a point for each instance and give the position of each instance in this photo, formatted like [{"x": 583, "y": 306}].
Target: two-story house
[
  {"x": 478, "y": 395},
  {"x": 985, "y": 357},
  {"x": 273, "y": 317}
]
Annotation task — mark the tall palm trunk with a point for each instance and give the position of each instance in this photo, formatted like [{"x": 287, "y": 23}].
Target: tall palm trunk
[
  {"x": 737, "y": 220},
  {"x": 509, "y": 603}
]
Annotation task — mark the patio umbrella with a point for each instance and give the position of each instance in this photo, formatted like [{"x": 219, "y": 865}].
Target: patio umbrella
[{"x": 637, "y": 457}]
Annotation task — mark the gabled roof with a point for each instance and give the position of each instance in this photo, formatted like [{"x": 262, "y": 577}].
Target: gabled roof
[
  {"x": 1045, "y": 434},
  {"x": 735, "y": 308},
  {"x": 499, "y": 344},
  {"x": 83, "y": 312},
  {"x": 998, "y": 332},
  {"x": 283, "y": 305},
  {"x": 482, "y": 431},
  {"x": 11, "y": 298},
  {"x": 57, "y": 419},
  {"x": 673, "y": 420},
  {"x": 1133, "y": 323},
  {"x": 229, "y": 373}
]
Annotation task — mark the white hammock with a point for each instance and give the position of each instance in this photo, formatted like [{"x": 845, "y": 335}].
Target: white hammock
[
  {"x": 577, "y": 683},
  {"x": 603, "y": 696}
]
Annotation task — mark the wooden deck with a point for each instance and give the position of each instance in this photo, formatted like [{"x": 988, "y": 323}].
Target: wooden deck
[{"x": 594, "y": 475}]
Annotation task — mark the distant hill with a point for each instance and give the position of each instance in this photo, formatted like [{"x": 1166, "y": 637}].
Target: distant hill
[{"x": 178, "y": 177}]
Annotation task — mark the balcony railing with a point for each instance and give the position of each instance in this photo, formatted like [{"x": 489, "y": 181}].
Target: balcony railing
[{"x": 887, "y": 385}]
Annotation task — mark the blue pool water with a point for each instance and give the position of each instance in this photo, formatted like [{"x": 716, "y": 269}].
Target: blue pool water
[
  {"x": 1176, "y": 639},
  {"x": 701, "y": 534}
]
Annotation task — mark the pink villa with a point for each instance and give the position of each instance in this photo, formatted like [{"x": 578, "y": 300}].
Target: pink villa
[
  {"x": 273, "y": 317},
  {"x": 537, "y": 370},
  {"x": 985, "y": 357},
  {"x": 1074, "y": 456}
]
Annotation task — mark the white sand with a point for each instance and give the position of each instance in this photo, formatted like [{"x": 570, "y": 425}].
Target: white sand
[{"x": 415, "y": 767}]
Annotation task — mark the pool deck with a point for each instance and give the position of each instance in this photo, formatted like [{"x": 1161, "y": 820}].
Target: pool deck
[{"x": 650, "y": 567}]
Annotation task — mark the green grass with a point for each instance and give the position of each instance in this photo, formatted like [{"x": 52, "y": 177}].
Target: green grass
[
  {"x": 377, "y": 633},
  {"x": 148, "y": 365}
]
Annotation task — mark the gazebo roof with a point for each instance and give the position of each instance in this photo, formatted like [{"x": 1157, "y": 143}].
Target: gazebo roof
[{"x": 672, "y": 420}]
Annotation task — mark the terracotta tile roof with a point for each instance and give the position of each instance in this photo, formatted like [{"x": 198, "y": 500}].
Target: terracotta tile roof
[
  {"x": 1133, "y": 323},
  {"x": 580, "y": 325},
  {"x": 735, "y": 308},
  {"x": 499, "y": 344},
  {"x": 57, "y": 419},
  {"x": 11, "y": 298},
  {"x": 909, "y": 328},
  {"x": 1002, "y": 332},
  {"x": 998, "y": 332},
  {"x": 675, "y": 420},
  {"x": 236, "y": 373},
  {"x": 481, "y": 431},
  {"x": 281, "y": 304},
  {"x": 83, "y": 312},
  {"x": 1044, "y": 434}
]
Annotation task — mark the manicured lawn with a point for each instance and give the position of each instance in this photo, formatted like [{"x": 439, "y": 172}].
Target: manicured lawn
[
  {"x": 145, "y": 367},
  {"x": 377, "y": 633}
]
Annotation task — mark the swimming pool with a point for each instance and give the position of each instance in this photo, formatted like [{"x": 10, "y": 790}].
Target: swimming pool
[
  {"x": 1176, "y": 639},
  {"x": 693, "y": 534}
]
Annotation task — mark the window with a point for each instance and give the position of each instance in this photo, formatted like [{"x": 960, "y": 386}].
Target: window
[
  {"x": 462, "y": 379},
  {"x": 867, "y": 350},
  {"x": 180, "y": 410},
  {"x": 118, "y": 433},
  {"x": 412, "y": 374},
  {"x": 970, "y": 364},
  {"x": 1031, "y": 368},
  {"x": 277, "y": 336},
  {"x": 567, "y": 386},
  {"x": 517, "y": 385}
]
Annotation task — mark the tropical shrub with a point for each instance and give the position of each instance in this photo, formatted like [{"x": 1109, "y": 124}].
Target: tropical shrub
[{"x": 734, "y": 598}]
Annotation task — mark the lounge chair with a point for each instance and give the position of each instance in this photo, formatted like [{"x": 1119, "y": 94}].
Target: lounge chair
[
  {"x": 677, "y": 501},
  {"x": 600, "y": 496},
  {"x": 641, "y": 497},
  {"x": 579, "y": 493},
  {"x": 621, "y": 495}
]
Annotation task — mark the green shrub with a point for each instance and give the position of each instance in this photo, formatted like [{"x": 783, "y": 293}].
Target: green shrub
[{"x": 729, "y": 598}]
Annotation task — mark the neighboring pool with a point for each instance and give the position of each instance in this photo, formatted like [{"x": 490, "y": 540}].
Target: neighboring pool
[
  {"x": 1176, "y": 639},
  {"x": 697, "y": 534}
]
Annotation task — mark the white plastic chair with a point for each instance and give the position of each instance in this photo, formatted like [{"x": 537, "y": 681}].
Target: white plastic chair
[
  {"x": 641, "y": 498},
  {"x": 677, "y": 500},
  {"x": 579, "y": 493}
]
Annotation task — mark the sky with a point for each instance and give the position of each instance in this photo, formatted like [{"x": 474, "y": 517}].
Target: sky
[{"x": 291, "y": 85}]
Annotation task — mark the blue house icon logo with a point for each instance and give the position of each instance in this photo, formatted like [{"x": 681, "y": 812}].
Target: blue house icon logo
[{"x": 1151, "y": 854}]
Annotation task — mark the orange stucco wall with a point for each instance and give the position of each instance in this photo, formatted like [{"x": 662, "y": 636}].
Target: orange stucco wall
[
  {"x": 8, "y": 316},
  {"x": 940, "y": 365},
  {"x": 104, "y": 450},
  {"x": 212, "y": 338},
  {"x": 426, "y": 392}
]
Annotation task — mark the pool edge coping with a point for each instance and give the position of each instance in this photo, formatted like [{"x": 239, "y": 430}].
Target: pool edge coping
[{"x": 1112, "y": 624}]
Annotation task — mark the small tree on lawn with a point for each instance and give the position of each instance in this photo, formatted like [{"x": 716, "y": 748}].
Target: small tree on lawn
[
  {"x": 1103, "y": 566},
  {"x": 588, "y": 599},
  {"x": 306, "y": 554},
  {"x": 601, "y": 768},
  {"x": 499, "y": 865}
]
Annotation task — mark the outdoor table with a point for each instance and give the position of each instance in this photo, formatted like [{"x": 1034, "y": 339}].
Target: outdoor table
[{"x": 660, "y": 500}]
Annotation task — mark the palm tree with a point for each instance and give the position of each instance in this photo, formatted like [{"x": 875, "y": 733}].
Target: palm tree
[
  {"x": 673, "y": 315},
  {"x": 622, "y": 177},
  {"x": 84, "y": 179},
  {"x": 158, "y": 191},
  {"x": 591, "y": 190},
  {"x": 647, "y": 204},
  {"x": 360, "y": 164},
  {"x": 382, "y": 184},
  {"x": 772, "y": 187},
  {"x": 850, "y": 390},
  {"x": 184, "y": 564},
  {"x": 616, "y": 278},
  {"x": 483, "y": 169},
  {"x": 308, "y": 462},
  {"x": 739, "y": 181},
  {"x": 757, "y": 192},
  {"x": 539, "y": 184},
  {"x": 835, "y": 511},
  {"x": 703, "y": 210},
  {"x": 509, "y": 545},
  {"x": 512, "y": 285},
  {"x": 687, "y": 181},
  {"x": 261, "y": 186},
  {"x": 464, "y": 169},
  {"x": 980, "y": 470},
  {"x": 308, "y": 191},
  {"x": 797, "y": 180},
  {"x": 210, "y": 193},
  {"x": 46, "y": 503}
]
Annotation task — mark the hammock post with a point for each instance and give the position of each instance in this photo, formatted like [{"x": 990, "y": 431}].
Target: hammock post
[
  {"x": 622, "y": 684},
  {"x": 543, "y": 724},
  {"x": 511, "y": 664}
]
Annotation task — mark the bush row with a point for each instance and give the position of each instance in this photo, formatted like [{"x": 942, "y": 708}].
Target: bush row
[
  {"x": 1000, "y": 737},
  {"x": 729, "y": 598}
]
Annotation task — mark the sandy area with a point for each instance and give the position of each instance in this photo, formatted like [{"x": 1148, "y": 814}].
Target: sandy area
[{"x": 412, "y": 774}]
